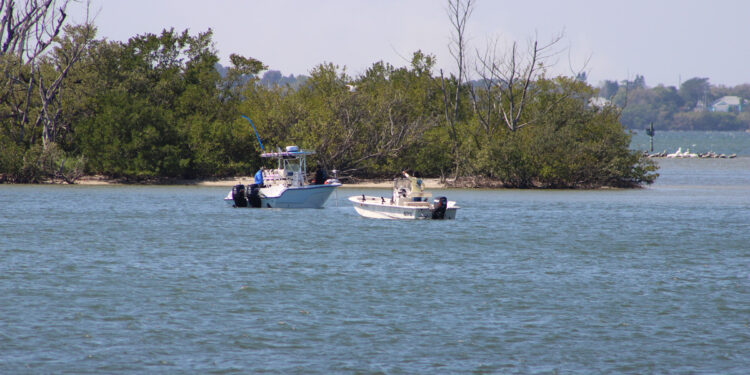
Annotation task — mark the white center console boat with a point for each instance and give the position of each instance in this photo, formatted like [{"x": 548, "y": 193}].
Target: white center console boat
[{"x": 285, "y": 186}]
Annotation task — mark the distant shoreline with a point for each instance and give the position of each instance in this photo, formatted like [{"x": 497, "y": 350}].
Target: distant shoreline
[{"x": 430, "y": 183}]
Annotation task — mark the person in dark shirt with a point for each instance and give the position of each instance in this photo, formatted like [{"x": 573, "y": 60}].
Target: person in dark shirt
[{"x": 320, "y": 176}]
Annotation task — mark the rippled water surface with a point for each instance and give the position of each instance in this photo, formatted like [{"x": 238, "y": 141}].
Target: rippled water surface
[{"x": 168, "y": 279}]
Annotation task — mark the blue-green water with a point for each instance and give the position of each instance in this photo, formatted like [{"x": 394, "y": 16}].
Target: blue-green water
[{"x": 167, "y": 279}]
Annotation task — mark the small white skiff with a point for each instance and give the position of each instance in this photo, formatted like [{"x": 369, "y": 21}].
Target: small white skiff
[{"x": 408, "y": 201}]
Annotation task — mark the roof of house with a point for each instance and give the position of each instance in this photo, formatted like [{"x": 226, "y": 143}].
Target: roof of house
[{"x": 728, "y": 100}]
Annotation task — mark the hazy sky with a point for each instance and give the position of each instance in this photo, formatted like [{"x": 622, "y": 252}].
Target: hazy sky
[{"x": 663, "y": 40}]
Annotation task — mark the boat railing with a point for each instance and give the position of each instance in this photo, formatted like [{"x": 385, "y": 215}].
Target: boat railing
[
  {"x": 275, "y": 177},
  {"x": 284, "y": 177}
]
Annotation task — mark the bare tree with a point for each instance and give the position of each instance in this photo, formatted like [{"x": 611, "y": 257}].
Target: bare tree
[
  {"x": 29, "y": 28},
  {"x": 508, "y": 82},
  {"x": 458, "y": 13},
  {"x": 74, "y": 45},
  {"x": 31, "y": 78}
]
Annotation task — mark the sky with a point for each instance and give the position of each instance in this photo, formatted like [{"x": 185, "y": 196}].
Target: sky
[{"x": 666, "y": 41}]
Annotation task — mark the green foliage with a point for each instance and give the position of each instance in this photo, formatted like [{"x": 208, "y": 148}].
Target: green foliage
[
  {"x": 573, "y": 145},
  {"x": 361, "y": 126},
  {"x": 657, "y": 105},
  {"x": 38, "y": 164},
  {"x": 11, "y": 159},
  {"x": 245, "y": 65},
  {"x": 685, "y": 109},
  {"x": 710, "y": 121},
  {"x": 694, "y": 90},
  {"x": 157, "y": 107}
]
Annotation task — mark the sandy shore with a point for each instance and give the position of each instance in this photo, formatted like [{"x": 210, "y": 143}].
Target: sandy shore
[{"x": 430, "y": 183}]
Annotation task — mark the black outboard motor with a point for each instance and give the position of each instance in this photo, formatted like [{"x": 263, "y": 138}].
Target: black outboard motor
[
  {"x": 438, "y": 208},
  {"x": 238, "y": 195},
  {"x": 253, "y": 195}
]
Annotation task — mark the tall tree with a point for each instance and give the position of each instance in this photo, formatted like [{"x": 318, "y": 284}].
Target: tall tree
[
  {"x": 458, "y": 13},
  {"x": 37, "y": 51},
  {"x": 157, "y": 106},
  {"x": 32, "y": 78},
  {"x": 695, "y": 90}
]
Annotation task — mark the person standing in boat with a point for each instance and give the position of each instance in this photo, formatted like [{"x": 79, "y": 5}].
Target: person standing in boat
[
  {"x": 259, "y": 177},
  {"x": 320, "y": 176}
]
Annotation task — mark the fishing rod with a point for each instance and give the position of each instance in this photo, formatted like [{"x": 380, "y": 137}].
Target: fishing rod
[{"x": 256, "y": 132}]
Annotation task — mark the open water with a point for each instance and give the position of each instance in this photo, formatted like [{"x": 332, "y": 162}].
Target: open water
[{"x": 169, "y": 279}]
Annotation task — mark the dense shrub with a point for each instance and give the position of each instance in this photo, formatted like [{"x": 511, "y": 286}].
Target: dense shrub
[{"x": 157, "y": 107}]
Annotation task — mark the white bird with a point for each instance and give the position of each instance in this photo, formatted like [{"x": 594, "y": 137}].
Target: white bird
[{"x": 676, "y": 154}]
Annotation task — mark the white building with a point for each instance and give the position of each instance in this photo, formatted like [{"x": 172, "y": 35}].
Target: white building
[
  {"x": 599, "y": 102},
  {"x": 728, "y": 104}
]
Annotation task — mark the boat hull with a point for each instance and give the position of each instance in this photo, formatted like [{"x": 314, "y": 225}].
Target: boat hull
[
  {"x": 309, "y": 196},
  {"x": 385, "y": 210}
]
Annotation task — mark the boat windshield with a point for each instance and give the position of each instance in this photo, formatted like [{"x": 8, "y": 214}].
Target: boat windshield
[
  {"x": 402, "y": 185},
  {"x": 291, "y": 165}
]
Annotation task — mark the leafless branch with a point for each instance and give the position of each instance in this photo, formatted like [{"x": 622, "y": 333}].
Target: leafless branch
[
  {"x": 509, "y": 80},
  {"x": 27, "y": 31},
  {"x": 576, "y": 72},
  {"x": 458, "y": 13}
]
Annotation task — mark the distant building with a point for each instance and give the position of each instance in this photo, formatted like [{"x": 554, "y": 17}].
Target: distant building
[
  {"x": 728, "y": 104},
  {"x": 599, "y": 102}
]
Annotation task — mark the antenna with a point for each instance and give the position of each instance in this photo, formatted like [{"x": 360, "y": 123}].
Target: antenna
[{"x": 256, "y": 132}]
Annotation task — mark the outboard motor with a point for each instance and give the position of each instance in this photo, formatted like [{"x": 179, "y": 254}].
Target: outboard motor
[
  {"x": 238, "y": 195},
  {"x": 253, "y": 195},
  {"x": 438, "y": 208}
]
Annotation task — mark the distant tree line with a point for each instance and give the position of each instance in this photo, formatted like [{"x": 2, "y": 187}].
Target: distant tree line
[
  {"x": 160, "y": 106},
  {"x": 688, "y": 107}
]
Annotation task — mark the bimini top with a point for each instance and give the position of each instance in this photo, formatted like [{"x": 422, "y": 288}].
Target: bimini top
[{"x": 290, "y": 153}]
